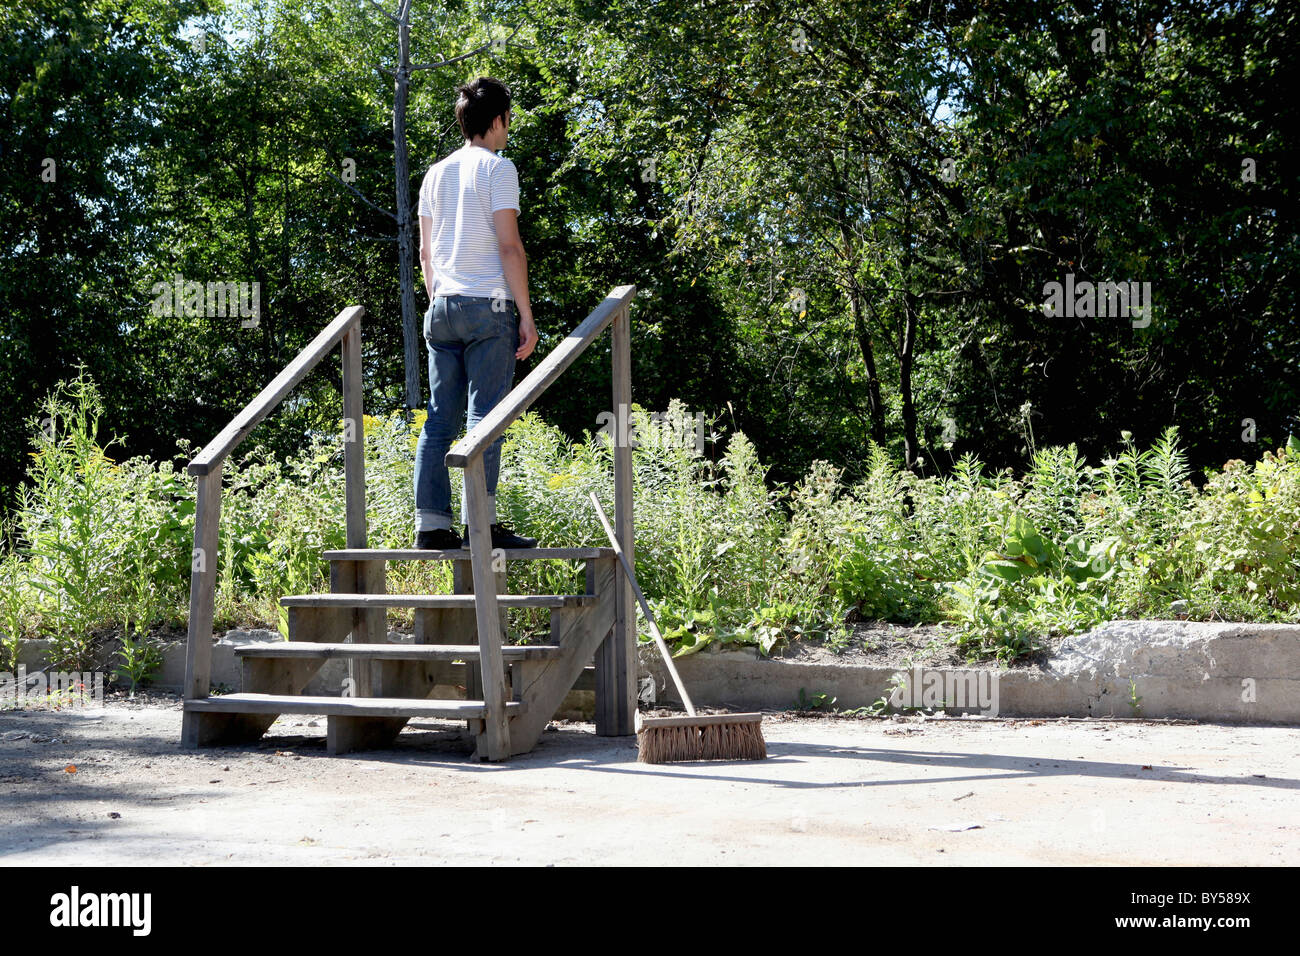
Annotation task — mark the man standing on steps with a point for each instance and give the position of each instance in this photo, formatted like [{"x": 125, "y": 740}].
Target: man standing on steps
[{"x": 479, "y": 320}]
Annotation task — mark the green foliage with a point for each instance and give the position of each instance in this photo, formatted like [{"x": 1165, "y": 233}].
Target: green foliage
[
  {"x": 140, "y": 654},
  {"x": 14, "y": 609},
  {"x": 691, "y": 149},
  {"x": 1239, "y": 554},
  {"x": 814, "y": 701},
  {"x": 721, "y": 558},
  {"x": 96, "y": 537},
  {"x": 141, "y": 657}
]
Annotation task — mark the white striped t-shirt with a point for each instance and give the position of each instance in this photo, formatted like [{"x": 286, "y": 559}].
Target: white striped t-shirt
[{"x": 460, "y": 194}]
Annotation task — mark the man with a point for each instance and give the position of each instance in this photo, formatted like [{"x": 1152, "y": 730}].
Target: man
[{"x": 479, "y": 320}]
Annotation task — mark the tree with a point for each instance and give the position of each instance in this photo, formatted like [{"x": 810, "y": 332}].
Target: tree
[{"x": 80, "y": 100}]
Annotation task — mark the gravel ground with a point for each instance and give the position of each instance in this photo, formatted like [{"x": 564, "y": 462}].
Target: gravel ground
[{"x": 834, "y": 790}]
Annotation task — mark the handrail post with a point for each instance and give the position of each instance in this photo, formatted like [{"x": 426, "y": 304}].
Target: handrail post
[
  {"x": 495, "y": 742},
  {"x": 369, "y": 625},
  {"x": 354, "y": 446},
  {"x": 206, "y": 468},
  {"x": 203, "y": 581},
  {"x": 616, "y": 658}
]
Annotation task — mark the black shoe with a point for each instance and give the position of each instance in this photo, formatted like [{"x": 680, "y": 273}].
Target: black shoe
[
  {"x": 441, "y": 539},
  {"x": 503, "y": 537}
]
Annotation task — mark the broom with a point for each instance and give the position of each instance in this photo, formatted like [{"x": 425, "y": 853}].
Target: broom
[{"x": 697, "y": 736}]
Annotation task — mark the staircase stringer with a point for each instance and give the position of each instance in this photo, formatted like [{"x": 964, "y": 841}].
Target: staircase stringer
[{"x": 543, "y": 685}]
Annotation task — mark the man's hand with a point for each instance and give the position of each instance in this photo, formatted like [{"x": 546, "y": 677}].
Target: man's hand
[
  {"x": 426, "y": 254},
  {"x": 527, "y": 338},
  {"x": 515, "y": 265}
]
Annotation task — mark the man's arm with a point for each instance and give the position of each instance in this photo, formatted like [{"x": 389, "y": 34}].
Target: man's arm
[
  {"x": 515, "y": 265},
  {"x": 426, "y": 253}
]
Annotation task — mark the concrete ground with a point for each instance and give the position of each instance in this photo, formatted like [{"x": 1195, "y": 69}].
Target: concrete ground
[{"x": 833, "y": 791}]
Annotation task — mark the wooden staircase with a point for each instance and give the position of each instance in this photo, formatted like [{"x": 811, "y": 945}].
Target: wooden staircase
[
  {"x": 510, "y": 692},
  {"x": 390, "y": 683}
]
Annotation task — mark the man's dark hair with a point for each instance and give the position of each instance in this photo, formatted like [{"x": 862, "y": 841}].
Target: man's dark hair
[{"x": 479, "y": 104}]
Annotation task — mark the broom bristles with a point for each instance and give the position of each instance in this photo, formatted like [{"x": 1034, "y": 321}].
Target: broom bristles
[{"x": 677, "y": 743}]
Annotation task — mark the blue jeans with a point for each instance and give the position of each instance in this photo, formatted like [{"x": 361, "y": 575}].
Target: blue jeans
[{"x": 471, "y": 353}]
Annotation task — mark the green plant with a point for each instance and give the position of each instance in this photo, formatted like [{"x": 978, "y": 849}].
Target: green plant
[
  {"x": 691, "y": 630},
  {"x": 141, "y": 658},
  {"x": 66, "y": 518},
  {"x": 876, "y": 582},
  {"x": 140, "y": 655},
  {"x": 13, "y": 610},
  {"x": 867, "y": 711},
  {"x": 770, "y": 626},
  {"x": 883, "y": 704},
  {"x": 814, "y": 701},
  {"x": 838, "y": 637}
]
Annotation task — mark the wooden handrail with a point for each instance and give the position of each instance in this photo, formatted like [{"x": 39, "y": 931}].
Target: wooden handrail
[
  {"x": 207, "y": 468},
  {"x": 268, "y": 398},
  {"x": 494, "y": 423},
  {"x": 616, "y": 655}
]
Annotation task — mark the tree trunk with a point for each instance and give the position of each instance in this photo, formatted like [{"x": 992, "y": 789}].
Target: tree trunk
[
  {"x": 264, "y": 329},
  {"x": 406, "y": 271},
  {"x": 907, "y": 349},
  {"x": 911, "y": 449},
  {"x": 875, "y": 404}
]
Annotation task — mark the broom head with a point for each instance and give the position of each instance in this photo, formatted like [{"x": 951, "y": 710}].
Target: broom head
[{"x": 702, "y": 737}]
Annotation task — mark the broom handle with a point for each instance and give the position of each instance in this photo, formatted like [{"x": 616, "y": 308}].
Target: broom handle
[{"x": 645, "y": 608}]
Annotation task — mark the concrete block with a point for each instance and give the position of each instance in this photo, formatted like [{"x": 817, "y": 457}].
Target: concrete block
[
  {"x": 1231, "y": 673},
  {"x": 1181, "y": 669}
]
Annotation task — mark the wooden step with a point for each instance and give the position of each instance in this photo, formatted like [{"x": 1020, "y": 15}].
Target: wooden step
[
  {"x": 434, "y": 600},
  {"x": 346, "y": 706},
  {"x": 511, "y": 554},
  {"x": 395, "y": 652}
]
